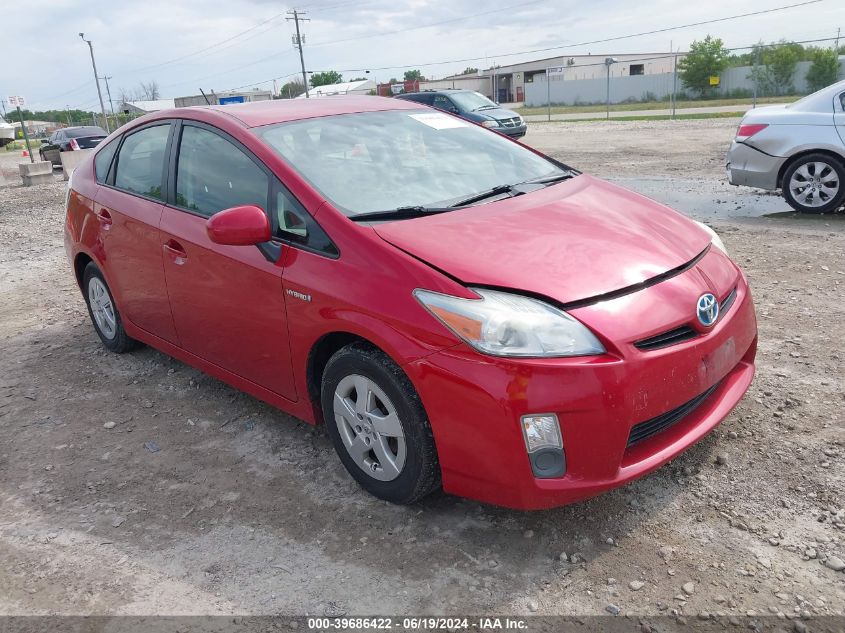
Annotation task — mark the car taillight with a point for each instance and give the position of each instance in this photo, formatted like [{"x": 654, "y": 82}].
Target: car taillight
[
  {"x": 73, "y": 144},
  {"x": 747, "y": 130}
]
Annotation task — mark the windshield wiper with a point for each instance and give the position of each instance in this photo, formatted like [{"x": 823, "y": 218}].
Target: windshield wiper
[
  {"x": 400, "y": 213},
  {"x": 548, "y": 180},
  {"x": 486, "y": 107},
  {"x": 478, "y": 197}
]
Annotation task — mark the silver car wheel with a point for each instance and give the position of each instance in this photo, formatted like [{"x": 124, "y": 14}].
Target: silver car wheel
[
  {"x": 102, "y": 308},
  {"x": 814, "y": 184},
  {"x": 369, "y": 427}
]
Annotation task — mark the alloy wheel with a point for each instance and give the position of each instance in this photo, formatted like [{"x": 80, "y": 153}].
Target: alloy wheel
[
  {"x": 814, "y": 184},
  {"x": 102, "y": 308},
  {"x": 370, "y": 427}
]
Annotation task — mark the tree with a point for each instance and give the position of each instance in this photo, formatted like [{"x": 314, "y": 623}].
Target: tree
[
  {"x": 776, "y": 69},
  {"x": 824, "y": 70},
  {"x": 469, "y": 70},
  {"x": 360, "y": 79},
  {"x": 704, "y": 60},
  {"x": 326, "y": 78},
  {"x": 292, "y": 89},
  {"x": 150, "y": 91},
  {"x": 414, "y": 75},
  {"x": 144, "y": 92}
]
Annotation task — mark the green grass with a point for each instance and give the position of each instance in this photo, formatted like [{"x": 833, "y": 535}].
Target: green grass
[
  {"x": 655, "y": 117},
  {"x": 654, "y": 105},
  {"x": 17, "y": 146}
]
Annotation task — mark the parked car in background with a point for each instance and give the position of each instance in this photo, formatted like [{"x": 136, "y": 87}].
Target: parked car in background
[
  {"x": 7, "y": 132},
  {"x": 798, "y": 148},
  {"x": 69, "y": 139},
  {"x": 472, "y": 106},
  {"x": 457, "y": 308}
]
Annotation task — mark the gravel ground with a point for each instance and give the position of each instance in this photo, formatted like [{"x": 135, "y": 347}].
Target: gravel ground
[{"x": 244, "y": 510}]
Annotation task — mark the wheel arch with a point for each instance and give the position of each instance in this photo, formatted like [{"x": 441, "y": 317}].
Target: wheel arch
[
  {"x": 789, "y": 161},
  {"x": 81, "y": 260},
  {"x": 320, "y": 353}
]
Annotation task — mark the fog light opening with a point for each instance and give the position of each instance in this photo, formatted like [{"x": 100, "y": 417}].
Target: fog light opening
[{"x": 544, "y": 444}]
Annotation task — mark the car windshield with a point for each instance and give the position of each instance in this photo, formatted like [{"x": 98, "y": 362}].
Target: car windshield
[
  {"x": 379, "y": 161},
  {"x": 469, "y": 101},
  {"x": 80, "y": 132}
]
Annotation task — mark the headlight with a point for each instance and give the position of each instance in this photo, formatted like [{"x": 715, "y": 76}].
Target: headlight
[
  {"x": 490, "y": 123},
  {"x": 714, "y": 237},
  {"x": 504, "y": 324}
]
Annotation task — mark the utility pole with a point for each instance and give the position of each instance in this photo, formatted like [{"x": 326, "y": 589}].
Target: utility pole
[
  {"x": 608, "y": 62},
  {"x": 756, "y": 75},
  {"x": 108, "y": 93},
  {"x": 67, "y": 114},
  {"x": 111, "y": 103},
  {"x": 298, "y": 41},
  {"x": 674, "y": 85},
  {"x": 97, "y": 81}
]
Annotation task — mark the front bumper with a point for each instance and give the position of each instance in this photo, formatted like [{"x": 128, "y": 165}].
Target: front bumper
[
  {"x": 474, "y": 402},
  {"x": 748, "y": 166}
]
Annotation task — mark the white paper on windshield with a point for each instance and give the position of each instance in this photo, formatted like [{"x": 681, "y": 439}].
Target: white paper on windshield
[{"x": 439, "y": 121}]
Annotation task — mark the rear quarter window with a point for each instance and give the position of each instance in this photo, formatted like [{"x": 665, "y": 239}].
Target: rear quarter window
[{"x": 103, "y": 159}]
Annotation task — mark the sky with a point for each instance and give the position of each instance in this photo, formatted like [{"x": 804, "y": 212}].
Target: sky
[{"x": 185, "y": 45}]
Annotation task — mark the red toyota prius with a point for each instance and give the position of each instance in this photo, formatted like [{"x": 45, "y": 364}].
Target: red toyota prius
[{"x": 460, "y": 310}]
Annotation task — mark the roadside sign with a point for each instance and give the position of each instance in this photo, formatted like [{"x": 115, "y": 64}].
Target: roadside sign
[
  {"x": 714, "y": 80},
  {"x": 226, "y": 100},
  {"x": 555, "y": 70},
  {"x": 396, "y": 88},
  {"x": 16, "y": 101}
]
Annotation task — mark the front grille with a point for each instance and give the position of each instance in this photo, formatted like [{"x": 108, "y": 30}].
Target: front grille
[
  {"x": 727, "y": 303},
  {"x": 510, "y": 122},
  {"x": 682, "y": 333},
  {"x": 665, "y": 339},
  {"x": 649, "y": 428}
]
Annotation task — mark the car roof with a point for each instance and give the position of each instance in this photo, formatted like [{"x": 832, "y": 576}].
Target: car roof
[{"x": 260, "y": 113}]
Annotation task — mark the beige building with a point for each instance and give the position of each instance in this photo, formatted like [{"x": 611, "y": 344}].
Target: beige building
[{"x": 506, "y": 83}]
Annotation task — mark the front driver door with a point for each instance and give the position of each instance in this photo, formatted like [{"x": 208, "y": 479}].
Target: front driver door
[{"x": 227, "y": 301}]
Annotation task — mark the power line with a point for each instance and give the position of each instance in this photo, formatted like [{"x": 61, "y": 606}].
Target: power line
[
  {"x": 207, "y": 48},
  {"x": 426, "y": 26},
  {"x": 601, "y": 41}
]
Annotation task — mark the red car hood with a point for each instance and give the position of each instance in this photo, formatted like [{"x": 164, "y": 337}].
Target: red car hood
[{"x": 569, "y": 241}]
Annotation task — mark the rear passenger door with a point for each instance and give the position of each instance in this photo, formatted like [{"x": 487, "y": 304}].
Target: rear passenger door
[
  {"x": 227, "y": 301},
  {"x": 128, "y": 209}
]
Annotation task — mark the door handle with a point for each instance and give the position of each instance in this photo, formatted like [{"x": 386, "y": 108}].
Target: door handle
[
  {"x": 174, "y": 250},
  {"x": 104, "y": 217}
]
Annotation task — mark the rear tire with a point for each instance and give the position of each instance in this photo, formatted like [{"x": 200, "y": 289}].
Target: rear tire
[
  {"x": 378, "y": 425},
  {"x": 814, "y": 183},
  {"x": 103, "y": 311}
]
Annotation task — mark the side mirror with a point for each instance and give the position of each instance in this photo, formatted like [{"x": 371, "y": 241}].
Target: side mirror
[{"x": 246, "y": 225}]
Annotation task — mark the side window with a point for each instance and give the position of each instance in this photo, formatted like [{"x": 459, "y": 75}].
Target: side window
[
  {"x": 842, "y": 101},
  {"x": 213, "y": 174},
  {"x": 102, "y": 161},
  {"x": 140, "y": 162},
  {"x": 444, "y": 103},
  {"x": 296, "y": 225}
]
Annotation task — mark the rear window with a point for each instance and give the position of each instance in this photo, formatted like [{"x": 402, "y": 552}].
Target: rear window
[
  {"x": 79, "y": 132},
  {"x": 140, "y": 163}
]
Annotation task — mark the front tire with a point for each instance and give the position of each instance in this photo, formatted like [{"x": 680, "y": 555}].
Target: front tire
[
  {"x": 814, "y": 183},
  {"x": 103, "y": 311},
  {"x": 378, "y": 425}
]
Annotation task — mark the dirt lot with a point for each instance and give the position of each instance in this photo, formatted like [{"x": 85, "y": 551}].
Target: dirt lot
[{"x": 246, "y": 511}]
